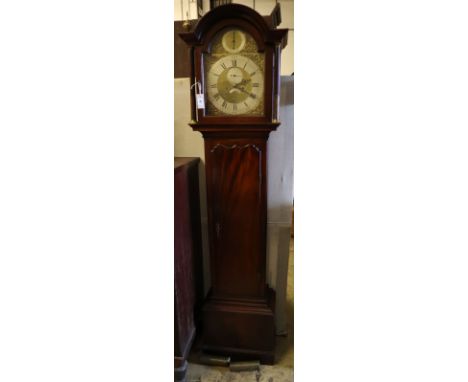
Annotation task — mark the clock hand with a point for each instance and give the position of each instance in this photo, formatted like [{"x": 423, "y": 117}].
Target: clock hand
[
  {"x": 240, "y": 88},
  {"x": 242, "y": 83}
]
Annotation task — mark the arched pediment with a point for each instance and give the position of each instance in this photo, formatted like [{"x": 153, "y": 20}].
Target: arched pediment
[{"x": 234, "y": 14}]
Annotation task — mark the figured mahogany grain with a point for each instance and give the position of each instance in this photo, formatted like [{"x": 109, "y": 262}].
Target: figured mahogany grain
[{"x": 236, "y": 183}]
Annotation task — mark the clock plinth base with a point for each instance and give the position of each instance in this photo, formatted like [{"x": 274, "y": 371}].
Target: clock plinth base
[{"x": 243, "y": 330}]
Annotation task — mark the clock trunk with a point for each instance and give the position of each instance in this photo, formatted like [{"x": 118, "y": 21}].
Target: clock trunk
[{"x": 238, "y": 316}]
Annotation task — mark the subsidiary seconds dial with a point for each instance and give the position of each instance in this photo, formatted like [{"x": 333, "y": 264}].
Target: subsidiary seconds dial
[{"x": 235, "y": 85}]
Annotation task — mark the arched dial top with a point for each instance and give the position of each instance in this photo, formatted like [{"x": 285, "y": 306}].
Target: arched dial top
[
  {"x": 233, "y": 40},
  {"x": 234, "y": 75}
]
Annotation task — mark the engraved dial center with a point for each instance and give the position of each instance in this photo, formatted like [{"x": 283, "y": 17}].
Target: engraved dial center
[{"x": 235, "y": 76}]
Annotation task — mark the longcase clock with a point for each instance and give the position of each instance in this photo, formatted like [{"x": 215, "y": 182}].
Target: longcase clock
[{"x": 235, "y": 56}]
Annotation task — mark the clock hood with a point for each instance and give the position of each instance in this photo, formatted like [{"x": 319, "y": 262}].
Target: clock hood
[{"x": 207, "y": 25}]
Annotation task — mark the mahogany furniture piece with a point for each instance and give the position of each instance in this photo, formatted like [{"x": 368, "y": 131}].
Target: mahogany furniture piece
[
  {"x": 235, "y": 56},
  {"x": 188, "y": 271}
]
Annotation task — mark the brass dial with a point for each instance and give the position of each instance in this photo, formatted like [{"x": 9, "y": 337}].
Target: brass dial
[
  {"x": 233, "y": 41},
  {"x": 235, "y": 84}
]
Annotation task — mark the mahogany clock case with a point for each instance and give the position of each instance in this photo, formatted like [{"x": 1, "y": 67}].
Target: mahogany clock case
[{"x": 238, "y": 314}]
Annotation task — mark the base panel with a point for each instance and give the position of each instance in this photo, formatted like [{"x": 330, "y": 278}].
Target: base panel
[{"x": 241, "y": 331}]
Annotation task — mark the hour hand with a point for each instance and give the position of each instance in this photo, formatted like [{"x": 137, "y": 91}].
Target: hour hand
[{"x": 238, "y": 88}]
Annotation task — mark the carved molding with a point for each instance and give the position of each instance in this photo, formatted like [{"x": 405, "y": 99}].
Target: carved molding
[{"x": 235, "y": 146}]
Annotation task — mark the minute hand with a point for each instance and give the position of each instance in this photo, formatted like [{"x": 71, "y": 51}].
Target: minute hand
[
  {"x": 240, "y": 86},
  {"x": 243, "y": 82}
]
